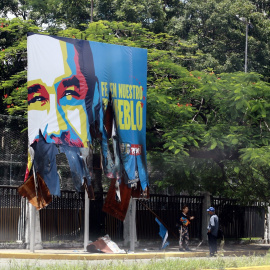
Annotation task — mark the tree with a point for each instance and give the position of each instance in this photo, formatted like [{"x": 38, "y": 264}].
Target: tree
[
  {"x": 16, "y": 8},
  {"x": 218, "y": 129},
  {"x": 105, "y": 10},
  {"x": 220, "y": 35},
  {"x": 13, "y": 64},
  {"x": 204, "y": 131},
  {"x": 49, "y": 13},
  {"x": 212, "y": 25}
]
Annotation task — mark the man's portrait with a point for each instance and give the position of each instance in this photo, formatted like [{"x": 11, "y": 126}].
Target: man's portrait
[{"x": 63, "y": 92}]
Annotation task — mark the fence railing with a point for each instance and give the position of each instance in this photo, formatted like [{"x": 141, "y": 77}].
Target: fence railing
[
  {"x": 63, "y": 219},
  {"x": 11, "y": 213},
  {"x": 168, "y": 209},
  {"x": 240, "y": 221},
  {"x": 13, "y": 149}
]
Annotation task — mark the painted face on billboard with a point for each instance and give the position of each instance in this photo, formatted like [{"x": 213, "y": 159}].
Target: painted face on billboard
[{"x": 57, "y": 90}]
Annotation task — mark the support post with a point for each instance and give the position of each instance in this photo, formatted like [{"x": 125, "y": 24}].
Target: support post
[
  {"x": 21, "y": 222},
  {"x": 133, "y": 225},
  {"x": 33, "y": 218},
  {"x": 86, "y": 219},
  {"x": 267, "y": 227},
  {"x": 205, "y": 217},
  {"x": 32, "y": 227}
]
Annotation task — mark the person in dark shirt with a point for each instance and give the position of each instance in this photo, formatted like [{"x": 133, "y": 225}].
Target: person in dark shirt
[
  {"x": 212, "y": 231},
  {"x": 183, "y": 222}
]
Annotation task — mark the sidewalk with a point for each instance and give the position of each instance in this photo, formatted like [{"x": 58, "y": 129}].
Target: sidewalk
[{"x": 149, "y": 251}]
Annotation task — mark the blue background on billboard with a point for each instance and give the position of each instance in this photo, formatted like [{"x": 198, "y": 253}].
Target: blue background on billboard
[{"x": 125, "y": 65}]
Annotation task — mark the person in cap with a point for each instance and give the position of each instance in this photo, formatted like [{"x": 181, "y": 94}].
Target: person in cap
[{"x": 212, "y": 231}]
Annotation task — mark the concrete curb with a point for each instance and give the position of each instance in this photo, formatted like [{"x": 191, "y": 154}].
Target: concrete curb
[{"x": 62, "y": 255}]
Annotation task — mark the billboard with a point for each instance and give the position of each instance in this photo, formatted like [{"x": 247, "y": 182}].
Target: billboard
[{"x": 71, "y": 83}]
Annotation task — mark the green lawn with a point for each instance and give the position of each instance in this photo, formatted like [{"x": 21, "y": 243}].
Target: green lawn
[{"x": 164, "y": 264}]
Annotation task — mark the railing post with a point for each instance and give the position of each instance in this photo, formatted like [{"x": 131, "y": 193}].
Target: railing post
[
  {"x": 21, "y": 221},
  {"x": 35, "y": 231},
  {"x": 129, "y": 230},
  {"x": 267, "y": 227},
  {"x": 86, "y": 219},
  {"x": 133, "y": 225},
  {"x": 32, "y": 227},
  {"x": 205, "y": 205}
]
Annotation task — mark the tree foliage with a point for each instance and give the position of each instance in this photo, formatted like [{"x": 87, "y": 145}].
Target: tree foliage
[
  {"x": 212, "y": 24},
  {"x": 218, "y": 128},
  {"x": 13, "y": 64},
  {"x": 49, "y": 13},
  {"x": 207, "y": 123},
  {"x": 216, "y": 28}
]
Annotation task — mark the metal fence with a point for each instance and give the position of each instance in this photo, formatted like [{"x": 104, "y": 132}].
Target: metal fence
[
  {"x": 12, "y": 213},
  {"x": 13, "y": 149},
  {"x": 168, "y": 209},
  {"x": 238, "y": 221},
  {"x": 63, "y": 219}
]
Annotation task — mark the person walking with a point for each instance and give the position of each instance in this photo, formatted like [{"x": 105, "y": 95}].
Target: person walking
[
  {"x": 184, "y": 221},
  {"x": 212, "y": 231}
]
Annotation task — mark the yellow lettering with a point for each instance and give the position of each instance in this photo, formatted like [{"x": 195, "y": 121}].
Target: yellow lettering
[
  {"x": 115, "y": 108},
  {"x": 137, "y": 92},
  {"x": 104, "y": 89},
  {"x": 139, "y": 115},
  {"x": 120, "y": 87},
  {"x": 130, "y": 91},
  {"x": 120, "y": 114},
  {"x": 113, "y": 90},
  {"x": 134, "y": 91},
  {"x": 126, "y": 115},
  {"x": 141, "y": 92},
  {"x": 133, "y": 126},
  {"x": 105, "y": 102},
  {"x": 124, "y": 91}
]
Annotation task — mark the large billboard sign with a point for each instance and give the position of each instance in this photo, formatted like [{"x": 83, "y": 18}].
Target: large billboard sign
[{"x": 71, "y": 83}]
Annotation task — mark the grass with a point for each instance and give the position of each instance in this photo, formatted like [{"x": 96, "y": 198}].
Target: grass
[{"x": 164, "y": 264}]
